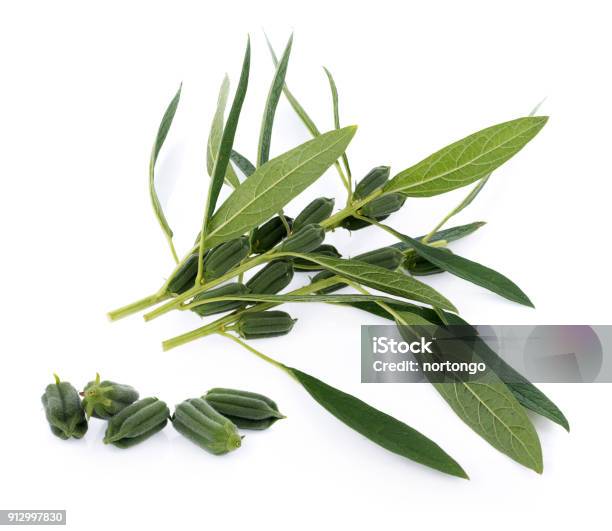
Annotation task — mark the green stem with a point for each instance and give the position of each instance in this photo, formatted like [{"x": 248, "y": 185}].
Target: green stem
[
  {"x": 197, "y": 289},
  {"x": 137, "y": 306},
  {"x": 220, "y": 324},
  {"x": 260, "y": 355},
  {"x": 383, "y": 305}
]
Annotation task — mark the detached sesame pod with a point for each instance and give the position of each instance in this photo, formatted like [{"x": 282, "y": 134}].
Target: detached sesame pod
[
  {"x": 374, "y": 180},
  {"x": 304, "y": 240},
  {"x": 419, "y": 266},
  {"x": 184, "y": 278},
  {"x": 266, "y": 236},
  {"x": 245, "y": 409},
  {"x": 197, "y": 420},
  {"x": 259, "y": 325},
  {"x": 316, "y": 211},
  {"x": 234, "y": 288},
  {"x": 64, "y": 410},
  {"x": 385, "y": 257},
  {"x": 301, "y": 264},
  {"x": 272, "y": 278},
  {"x": 137, "y": 422},
  {"x": 224, "y": 257},
  {"x": 105, "y": 399}
]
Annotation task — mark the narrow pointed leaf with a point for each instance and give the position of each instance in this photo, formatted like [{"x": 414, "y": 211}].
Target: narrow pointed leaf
[
  {"x": 466, "y": 160},
  {"x": 381, "y": 279},
  {"x": 278, "y": 82},
  {"x": 334, "y": 92},
  {"x": 274, "y": 184},
  {"x": 299, "y": 110},
  {"x": 470, "y": 271},
  {"x": 227, "y": 139},
  {"x": 527, "y": 394},
  {"x": 448, "y": 235},
  {"x": 380, "y": 428},
  {"x": 216, "y": 132},
  {"x": 162, "y": 132},
  {"x": 280, "y": 298},
  {"x": 243, "y": 164}
]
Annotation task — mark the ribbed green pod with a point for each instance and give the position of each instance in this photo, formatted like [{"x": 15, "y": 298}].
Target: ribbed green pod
[
  {"x": 272, "y": 278},
  {"x": 266, "y": 236},
  {"x": 306, "y": 239},
  {"x": 385, "y": 257},
  {"x": 234, "y": 288},
  {"x": 185, "y": 277},
  {"x": 383, "y": 206},
  {"x": 103, "y": 399},
  {"x": 301, "y": 264},
  {"x": 378, "y": 209},
  {"x": 315, "y": 212},
  {"x": 264, "y": 324},
  {"x": 197, "y": 420},
  {"x": 419, "y": 266},
  {"x": 137, "y": 422},
  {"x": 374, "y": 180},
  {"x": 64, "y": 410},
  {"x": 226, "y": 256},
  {"x": 245, "y": 409}
]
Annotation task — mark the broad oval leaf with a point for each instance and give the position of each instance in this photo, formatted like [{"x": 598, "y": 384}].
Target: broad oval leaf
[
  {"x": 484, "y": 403},
  {"x": 274, "y": 184},
  {"x": 381, "y": 279},
  {"x": 380, "y": 428},
  {"x": 489, "y": 408},
  {"x": 466, "y": 160},
  {"x": 215, "y": 134},
  {"x": 470, "y": 271}
]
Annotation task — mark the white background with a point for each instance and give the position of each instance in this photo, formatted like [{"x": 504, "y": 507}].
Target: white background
[{"x": 84, "y": 85}]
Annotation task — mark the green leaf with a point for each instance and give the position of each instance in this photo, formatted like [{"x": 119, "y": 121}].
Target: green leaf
[
  {"x": 274, "y": 184},
  {"x": 244, "y": 164},
  {"x": 447, "y": 235},
  {"x": 227, "y": 139},
  {"x": 280, "y": 298},
  {"x": 162, "y": 132},
  {"x": 470, "y": 271},
  {"x": 524, "y": 391},
  {"x": 334, "y": 92},
  {"x": 278, "y": 82},
  {"x": 380, "y": 428},
  {"x": 527, "y": 394},
  {"x": 299, "y": 110},
  {"x": 216, "y": 132},
  {"x": 466, "y": 160},
  {"x": 381, "y": 279},
  {"x": 489, "y": 408},
  {"x": 485, "y": 403}
]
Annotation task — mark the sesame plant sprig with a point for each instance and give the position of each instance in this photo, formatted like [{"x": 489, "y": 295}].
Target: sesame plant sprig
[{"x": 249, "y": 232}]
